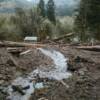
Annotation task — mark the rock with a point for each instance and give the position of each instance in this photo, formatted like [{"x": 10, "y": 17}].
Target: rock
[
  {"x": 26, "y": 88},
  {"x": 40, "y": 92},
  {"x": 1, "y": 77},
  {"x": 18, "y": 89},
  {"x": 1, "y": 82},
  {"x": 80, "y": 59},
  {"x": 10, "y": 62},
  {"x": 71, "y": 67},
  {"x": 3, "y": 90},
  {"x": 82, "y": 71}
]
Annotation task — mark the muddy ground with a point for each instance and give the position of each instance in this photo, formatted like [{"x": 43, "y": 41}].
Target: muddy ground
[{"x": 84, "y": 84}]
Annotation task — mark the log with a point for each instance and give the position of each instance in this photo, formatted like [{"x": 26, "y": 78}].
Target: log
[
  {"x": 64, "y": 84},
  {"x": 62, "y": 37},
  {"x": 19, "y": 44},
  {"x": 25, "y": 52},
  {"x": 15, "y": 51},
  {"x": 13, "y": 60},
  {"x": 90, "y": 48}
]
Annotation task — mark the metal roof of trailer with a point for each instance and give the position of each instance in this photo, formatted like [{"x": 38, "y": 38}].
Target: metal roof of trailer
[{"x": 30, "y": 38}]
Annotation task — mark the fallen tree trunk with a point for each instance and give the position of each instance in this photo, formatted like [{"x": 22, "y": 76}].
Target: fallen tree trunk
[
  {"x": 13, "y": 60},
  {"x": 64, "y": 84},
  {"x": 62, "y": 37},
  {"x": 90, "y": 48},
  {"x": 19, "y": 44}
]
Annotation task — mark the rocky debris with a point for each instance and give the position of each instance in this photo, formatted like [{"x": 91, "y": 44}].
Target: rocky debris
[
  {"x": 1, "y": 82},
  {"x": 83, "y": 85},
  {"x": 18, "y": 89},
  {"x": 43, "y": 98},
  {"x": 9, "y": 71},
  {"x": 15, "y": 51},
  {"x": 26, "y": 63},
  {"x": 76, "y": 63},
  {"x": 34, "y": 59},
  {"x": 80, "y": 59},
  {"x": 82, "y": 89}
]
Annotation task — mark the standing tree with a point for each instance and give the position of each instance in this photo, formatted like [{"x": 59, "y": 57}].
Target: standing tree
[
  {"x": 81, "y": 20},
  {"x": 42, "y": 8},
  {"x": 93, "y": 18},
  {"x": 51, "y": 11},
  {"x": 88, "y": 19}
]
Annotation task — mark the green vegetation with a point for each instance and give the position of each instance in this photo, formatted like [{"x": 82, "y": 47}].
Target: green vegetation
[
  {"x": 34, "y": 22},
  {"x": 42, "y": 21},
  {"x": 42, "y": 8},
  {"x": 88, "y": 20},
  {"x": 8, "y": 31},
  {"x": 51, "y": 11}
]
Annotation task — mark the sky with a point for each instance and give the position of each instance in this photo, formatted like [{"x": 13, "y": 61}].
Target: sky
[
  {"x": 29, "y": 0},
  {"x": 58, "y": 2}
]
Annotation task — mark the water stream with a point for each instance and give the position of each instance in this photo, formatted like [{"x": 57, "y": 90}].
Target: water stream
[{"x": 59, "y": 72}]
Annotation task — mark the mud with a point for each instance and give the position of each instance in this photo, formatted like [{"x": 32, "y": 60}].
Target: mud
[{"x": 84, "y": 66}]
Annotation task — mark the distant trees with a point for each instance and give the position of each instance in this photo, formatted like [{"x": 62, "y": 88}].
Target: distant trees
[
  {"x": 39, "y": 21},
  {"x": 48, "y": 10},
  {"x": 51, "y": 11},
  {"x": 8, "y": 30},
  {"x": 42, "y": 8},
  {"x": 22, "y": 22},
  {"x": 88, "y": 19},
  {"x": 30, "y": 23}
]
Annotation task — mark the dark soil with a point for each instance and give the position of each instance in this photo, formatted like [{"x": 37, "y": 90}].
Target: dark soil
[{"x": 84, "y": 65}]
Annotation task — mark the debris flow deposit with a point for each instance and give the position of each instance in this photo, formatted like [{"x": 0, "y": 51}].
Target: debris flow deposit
[{"x": 25, "y": 87}]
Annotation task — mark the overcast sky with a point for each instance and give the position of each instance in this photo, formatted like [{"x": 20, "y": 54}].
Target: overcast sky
[{"x": 60, "y": 2}]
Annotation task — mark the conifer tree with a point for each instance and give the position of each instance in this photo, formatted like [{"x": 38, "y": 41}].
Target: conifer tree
[
  {"x": 51, "y": 11},
  {"x": 93, "y": 18},
  {"x": 81, "y": 20},
  {"x": 88, "y": 19},
  {"x": 42, "y": 8}
]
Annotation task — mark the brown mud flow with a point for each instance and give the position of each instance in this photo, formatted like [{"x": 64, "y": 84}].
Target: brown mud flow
[{"x": 84, "y": 84}]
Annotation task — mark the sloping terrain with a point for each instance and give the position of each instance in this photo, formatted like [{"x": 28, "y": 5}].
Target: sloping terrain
[{"x": 84, "y": 84}]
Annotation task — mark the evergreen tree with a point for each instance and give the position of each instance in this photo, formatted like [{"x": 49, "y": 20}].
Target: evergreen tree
[
  {"x": 42, "y": 8},
  {"x": 88, "y": 19},
  {"x": 51, "y": 11},
  {"x": 81, "y": 20},
  {"x": 93, "y": 18}
]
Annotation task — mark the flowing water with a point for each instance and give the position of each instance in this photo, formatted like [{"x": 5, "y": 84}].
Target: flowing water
[{"x": 59, "y": 72}]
